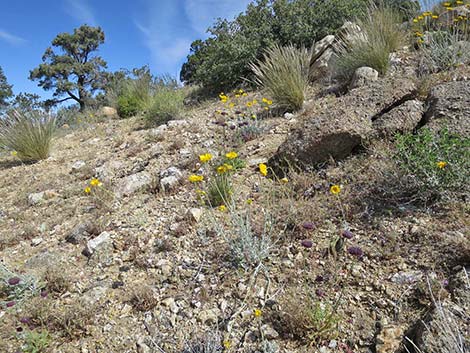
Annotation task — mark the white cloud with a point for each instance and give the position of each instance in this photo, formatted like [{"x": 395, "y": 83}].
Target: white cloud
[
  {"x": 10, "y": 38},
  {"x": 81, "y": 11}
]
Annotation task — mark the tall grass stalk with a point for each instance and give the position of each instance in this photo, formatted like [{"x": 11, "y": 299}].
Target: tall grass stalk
[
  {"x": 283, "y": 73},
  {"x": 27, "y": 134}
]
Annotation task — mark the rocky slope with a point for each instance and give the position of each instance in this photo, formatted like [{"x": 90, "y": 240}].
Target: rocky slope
[{"x": 142, "y": 266}]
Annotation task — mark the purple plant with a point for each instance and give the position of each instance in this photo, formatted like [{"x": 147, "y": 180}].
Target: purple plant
[
  {"x": 307, "y": 243},
  {"x": 14, "y": 281},
  {"x": 347, "y": 234},
  {"x": 356, "y": 251},
  {"x": 308, "y": 225}
]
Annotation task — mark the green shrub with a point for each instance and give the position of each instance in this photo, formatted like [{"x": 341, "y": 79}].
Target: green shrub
[
  {"x": 435, "y": 163},
  {"x": 27, "y": 134},
  {"x": 128, "y": 106},
  {"x": 36, "y": 341},
  {"x": 284, "y": 74},
  {"x": 381, "y": 35},
  {"x": 221, "y": 62},
  {"x": 166, "y": 104}
]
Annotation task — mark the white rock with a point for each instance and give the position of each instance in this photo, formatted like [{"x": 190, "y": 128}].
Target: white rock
[
  {"x": 102, "y": 240},
  {"x": 133, "y": 183},
  {"x": 36, "y": 241},
  {"x": 77, "y": 166},
  {"x": 35, "y": 198}
]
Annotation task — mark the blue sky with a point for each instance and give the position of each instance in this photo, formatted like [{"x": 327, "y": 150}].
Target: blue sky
[{"x": 138, "y": 32}]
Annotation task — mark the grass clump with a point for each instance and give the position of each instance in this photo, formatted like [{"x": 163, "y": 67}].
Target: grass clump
[
  {"x": 284, "y": 74},
  {"x": 166, "y": 104},
  {"x": 381, "y": 35},
  {"x": 435, "y": 162},
  {"x": 36, "y": 341},
  {"x": 308, "y": 319},
  {"x": 28, "y": 135},
  {"x": 219, "y": 190}
]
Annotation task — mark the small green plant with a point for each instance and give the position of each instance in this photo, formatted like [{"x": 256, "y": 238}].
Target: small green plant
[
  {"x": 28, "y": 135},
  {"x": 435, "y": 162},
  {"x": 381, "y": 35},
  {"x": 307, "y": 318},
  {"x": 15, "y": 288},
  {"x": 220, "y": 190},
  {"x": 36, "y": 341},
  {"x": 166, "y": 104},
  {"x": 284, "y": 74}
]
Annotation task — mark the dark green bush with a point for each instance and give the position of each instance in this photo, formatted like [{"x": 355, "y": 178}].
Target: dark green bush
[
  {"x": 128, "y": 106},
  {"x": 221, "y": 62},
  {"x": 435, "y": 162}
]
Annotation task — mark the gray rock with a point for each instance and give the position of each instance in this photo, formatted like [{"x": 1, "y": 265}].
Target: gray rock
[
  {"x": 76, "y": 166},
  {"x": 35, "y": 198},
  {"x": 170, "y": 178},
  {"x": 133, "y": 183},
  {"x": 36, "y": 241},
  {"x": 109, "y": 170},
  {"x": 404, "y": 118},
  {"x": 208, "y": 317},
  {"x": 449, "y": 106},
  {"x": 158, "y": 132},
  {"x": 101, "y": 242},
  {"x": 78, "y": 234},
  {"x": 406, "y": 277},
  {"x": 268, "y": 332},
  {"x": 363, "y": 76},
  {"x": 195, "y": 214}
]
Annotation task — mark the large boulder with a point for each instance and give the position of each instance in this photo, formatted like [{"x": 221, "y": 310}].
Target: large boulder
[
  {"x": 341, "y": 125},
  {"x": 449, "y": 107},
  {"x": 404, "y": 118}
]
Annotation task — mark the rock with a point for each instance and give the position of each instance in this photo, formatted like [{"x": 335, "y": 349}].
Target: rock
[
  {"x": 171, "y": 304},
  {"x": 170, "y": 178},
  {"x": 133, "y": 183},
  {"x": 406, "y": 277},
  {"x": 363, "y": 76},
  {"x": 268, "y": 332},
  {"x": 101, "y": 242},
  {"x": 289, "y": 116},
  {"x": 340, "y": 126},
  {"x": 77, "y": 166},
  {"x": 108, "y": 170},
  {"x": 108, "y": 112},
  {"x": 158, "y": 132},
  {"x": 404, "y": 118},
  {"x": 177, "y": 123},
  {"x": 38, "y": 197},
  {"x": 320, "y": 46},
  {"x": 36, "y": 241},
  {"x": 389, "y": 339},
  {"x": 449, "y": 106},
  {"x": 321, "y": 68},
  {"x": 195, "y": 214},
  {"x": 208, "y": 317},
  {"x": 78, "y": 234},
  {"x": 165, "y": 266}
]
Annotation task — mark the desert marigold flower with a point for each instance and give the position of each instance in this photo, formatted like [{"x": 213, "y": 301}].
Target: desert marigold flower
[
  {"x": 249, "y": 201},
  {"x": 264, "y": 100},
  {"x": 446, "y": 4},
  {"x": 195, "y": 178},
  {"x": 459, "y": 2},
  {"x": 231, "y": 105},
  {"x": 221, "y": 169},
  {"x": 249, "y": 104},
  {"x": 441, "y": 164},
  {"x": 255, "y": 102},
  {"x": 269, "y": 102},
  {"x": 222, "y": 208},
  {"x": 95, "y": 182},
  {"x": 227, "y": 344},
  {"x": 237, "y": 96},
  {"x": 206, "y": 157},
  {"x": 420, "y": 18},
  {"x": 434, "y": 17},
  {"x": 253, "y": 116},
  {"x": 87, "y": 190},
  {"x": 263, "y": 169},
  {"x": 284, "y": 180},
  {"x": 266, "y": 108},
  {"x": 419, "y": 34},
  {"x": 335, "y": 189},
  {"x": 257, "y": 312},
  {"x": 415, "y": 20},
  {"x": 14, "y": 153},
  {"x": 231, "y": 155}
]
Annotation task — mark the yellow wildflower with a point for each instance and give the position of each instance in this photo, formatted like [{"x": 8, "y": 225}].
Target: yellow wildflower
[
  {"x": 419, "y": 34},
  {"x": 441, "y": 164},
  {"x": 237, "y": 96},
  {"x": 434, "y": 17},
  {"x": 255, "y": 101},
  {"x": 231, "y": 105},
  {"x": 227, "y": 344},
  {"x": 249, "y": 104},
  {"x": 87, "y": 190},
  {"x": 222, "y": 208},
  {"x": 263, "y": 169},
  {"x": 241, "y": 91},
  {"x": 269, "y": 102},
  {"x": 195, "y": 178},
  {"x": 335, "y": 189},
  {"x": 200, "y": 192},
  {"x": 244, "y": 94},
  {"x": 231, "y": 155},
  {"x": 222, "y": 169},
  {"x": 253, "y": 116},
  {"x": 206, "y": 157},
  {"x": 420, "y": 18},
  {"x": 14, "y": 153},
  {"x": 249, "y": 201},
  {"x": 265, "y": 100},
  {"x": 415, "y": 20},
  {"x": 284, "y": 180},
  {"x": 95, "y": 182},
  {"x": 446, "y": 4},
  {"x": 257, "y": 312},
  {"x": 266, "y": 108}
]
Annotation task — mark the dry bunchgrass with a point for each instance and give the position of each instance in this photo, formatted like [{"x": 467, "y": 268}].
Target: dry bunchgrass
[
  {"x": 28, "y": 135},
  {"x": 283, "y": 74},
  {"x": 381, "y": 35},
  {"x": 143, "y": 298}
]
